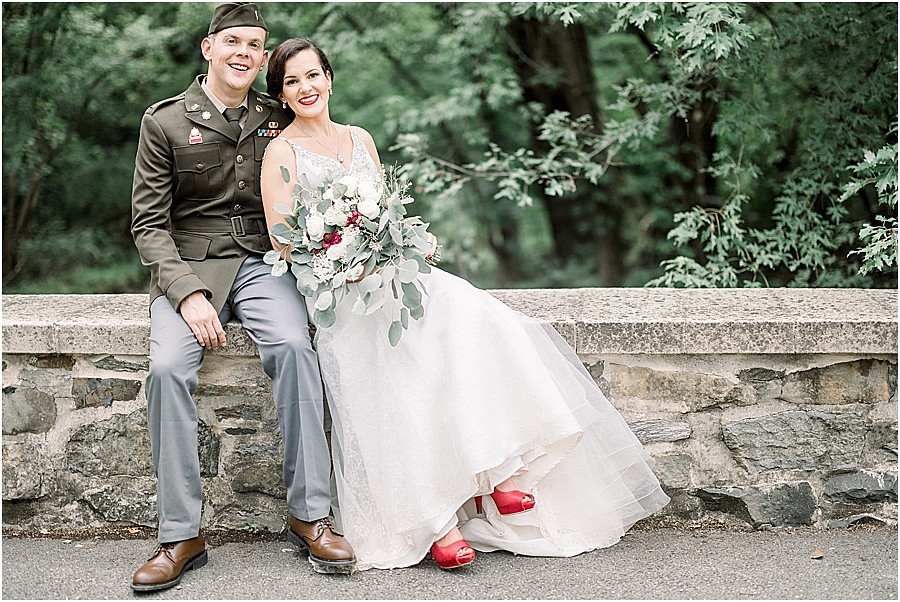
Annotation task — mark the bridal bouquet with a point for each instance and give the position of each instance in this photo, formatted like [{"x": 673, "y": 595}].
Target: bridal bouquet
[{"x": 351, "y": 236}]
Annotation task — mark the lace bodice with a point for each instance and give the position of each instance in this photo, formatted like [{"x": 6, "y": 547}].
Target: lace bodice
[{"x": 361, "y": 162}]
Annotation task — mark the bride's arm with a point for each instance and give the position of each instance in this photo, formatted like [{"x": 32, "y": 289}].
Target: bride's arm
[{"x": 272, "y": 185}]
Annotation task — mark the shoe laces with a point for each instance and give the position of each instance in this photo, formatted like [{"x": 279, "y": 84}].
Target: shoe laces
[
  {"x": 163, "y": 548},
  {"x": 325, "y": 523}
]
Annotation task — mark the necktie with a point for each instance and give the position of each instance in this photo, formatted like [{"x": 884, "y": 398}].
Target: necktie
[{"x": 234, "y": 116}]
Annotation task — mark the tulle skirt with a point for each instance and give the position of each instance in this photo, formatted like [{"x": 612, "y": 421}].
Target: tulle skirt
[{"x": 473, "y": 394}]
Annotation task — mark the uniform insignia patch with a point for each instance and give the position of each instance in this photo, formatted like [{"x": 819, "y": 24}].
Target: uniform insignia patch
[
  {"x": 273, "y": 124},
  {"x": 195, "y": 137},
  {"x": 205, "y": 115},
  {"x": 258, "y": 109},
  {"x": 194, "y": 107},
  {"x": 270, "y": 133}
]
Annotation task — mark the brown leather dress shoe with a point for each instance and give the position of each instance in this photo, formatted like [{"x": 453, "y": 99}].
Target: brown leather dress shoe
[
  {"x": 328, "y": 551},
  {"x": 168, "y": 563}
]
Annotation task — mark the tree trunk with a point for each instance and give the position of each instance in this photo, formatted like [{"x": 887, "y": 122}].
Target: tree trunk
[{"x": 553, "y": 65}]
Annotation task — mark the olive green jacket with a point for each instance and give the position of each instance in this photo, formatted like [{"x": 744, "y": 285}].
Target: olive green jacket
[{"x": 196, "y": 206}]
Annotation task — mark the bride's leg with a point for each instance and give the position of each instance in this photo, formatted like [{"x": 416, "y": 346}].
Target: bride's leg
[
  {"x": 507, "y": 485},
  {"x": 452, "y": 536}
]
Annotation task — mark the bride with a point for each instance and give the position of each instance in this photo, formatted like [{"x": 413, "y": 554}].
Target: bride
[{"x": 480, "y": 429}]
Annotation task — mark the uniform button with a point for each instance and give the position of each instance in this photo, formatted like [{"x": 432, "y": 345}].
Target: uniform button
[
  {"x": 242, "y": 184},
  {"x": 199, "y": 165},
  {"x": 239, "y": 158},
  {"x": 237, "y": 208}
]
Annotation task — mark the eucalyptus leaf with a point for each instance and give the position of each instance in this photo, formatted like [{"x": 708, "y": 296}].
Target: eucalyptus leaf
[
  {"x": 279, "y": 268},
  {"x": 396, "y": 236},
  {"x": 325, "y": 300},
  {"x": 417, "y": 312},
  {"x": 408, "y": 270},
  {"x": 412, "y": 297},
  {"x": 285, "y": 174},
  {"x": 404, "y": 318},
  {"x": 324, "y": 318},
  {"x": 323, "y": 206},
  {"x": 394, "y": 333},
  {"x": 271, "y": 257},
  {"x": 388, "y": 272},
  {"x": 283, "y": 209},
  {"x": 377, "y": 301},
  {"x": 370, "y": 283}
]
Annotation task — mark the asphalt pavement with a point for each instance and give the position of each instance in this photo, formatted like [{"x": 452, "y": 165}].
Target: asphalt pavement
[{"x": 660, "y": 563}]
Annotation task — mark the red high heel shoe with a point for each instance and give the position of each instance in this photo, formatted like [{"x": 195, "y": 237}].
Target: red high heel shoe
[
  {"x": 508, "y": 502},
  {"x": 457, "y": 554}
]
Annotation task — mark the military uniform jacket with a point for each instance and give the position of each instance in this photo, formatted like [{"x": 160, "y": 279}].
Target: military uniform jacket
[{"x": 196, "y": 205}]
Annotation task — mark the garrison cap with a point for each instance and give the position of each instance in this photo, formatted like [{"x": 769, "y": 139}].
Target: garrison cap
[{"x": 236, "y": 14}]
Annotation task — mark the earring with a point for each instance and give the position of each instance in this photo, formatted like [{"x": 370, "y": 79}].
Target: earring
[
  {"x": 283, "y": 104},
  {"x": 330, "y": 92}
]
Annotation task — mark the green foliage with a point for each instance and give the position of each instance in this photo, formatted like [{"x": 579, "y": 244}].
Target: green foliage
[{"x": 733, "y": 144}]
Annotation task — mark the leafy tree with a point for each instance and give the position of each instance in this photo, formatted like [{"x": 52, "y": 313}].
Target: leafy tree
[{"x": 551, "y": 144}]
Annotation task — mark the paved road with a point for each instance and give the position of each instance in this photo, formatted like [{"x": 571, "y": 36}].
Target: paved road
[{"x": 646, "y": 564}]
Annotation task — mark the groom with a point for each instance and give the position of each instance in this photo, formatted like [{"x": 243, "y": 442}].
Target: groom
[{"x": 198, "y": 223}]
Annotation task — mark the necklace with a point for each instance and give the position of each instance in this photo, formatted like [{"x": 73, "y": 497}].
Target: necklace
[{"x": 337, "y": 154}]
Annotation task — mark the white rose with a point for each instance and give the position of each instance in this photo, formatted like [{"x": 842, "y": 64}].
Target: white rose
[
  {"x": 368, "y": 192},
  {"x": 337, "y": 252},
  {"x": 351, "y": 182},
  {"x": 335, "y": 217},
  {"x": 369, "y": 208},
  {"x": 315, "y": 226}
]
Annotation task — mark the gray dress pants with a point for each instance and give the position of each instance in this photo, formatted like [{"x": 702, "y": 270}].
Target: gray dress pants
[{"x": 274, "y": 315}]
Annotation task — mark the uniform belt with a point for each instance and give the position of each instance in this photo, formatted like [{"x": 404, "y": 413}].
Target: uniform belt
[{"x": 237, "y": 225}]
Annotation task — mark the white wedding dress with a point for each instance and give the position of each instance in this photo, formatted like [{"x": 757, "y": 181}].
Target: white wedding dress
[{"x": 474, "y": 393}]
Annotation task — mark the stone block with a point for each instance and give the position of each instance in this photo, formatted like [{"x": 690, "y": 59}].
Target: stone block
[
  {"x": 41, "y": 514},
  {"x": 257, "y": 467},
  {"x": 96, "y": 392},
  {"x": 797, "y": 440},
  {"x": 208, "y": 449},
  {"x": 674, "y": 470},
  {"x": 53, "y": 360},
  {"x": 27, "y": 409},
  {"x": 882, "y": 438},
  {"x": 862, "y": 381},
  {"x": 648, "y": 431},
  {"x": 25, "y": 469},
  {"x": 115, "y": 364},
  {"x": 119, "y": 445},
  {"x": 863, "y": 486},
  {"x": 647, "y": 390},
  {"x": 857, "y": 519},
  {"x": 781, "y": 505},
  {"x": 124, "y": 499}
]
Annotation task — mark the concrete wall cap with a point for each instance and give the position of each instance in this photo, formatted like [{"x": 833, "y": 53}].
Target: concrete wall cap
[{"x": 593, "y": 320}]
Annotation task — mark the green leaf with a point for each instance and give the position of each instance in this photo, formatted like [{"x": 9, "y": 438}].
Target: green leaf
[
  {"x": 394, "y": 333},
  {"x": 285, "y": 174},
  {"x": 412, "y": 297},
  {"x": 324, "y": 318},
  {"x": 408, "y": 270},
  {"x": 325, "y": 300},
  {"x": 370, "y": 283},
  {"x": 404, "y": 318},
  {"x": 417, "y": 312}
]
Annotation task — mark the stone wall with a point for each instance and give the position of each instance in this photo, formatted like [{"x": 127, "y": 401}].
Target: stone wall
[{"x": 760, "y": 407}]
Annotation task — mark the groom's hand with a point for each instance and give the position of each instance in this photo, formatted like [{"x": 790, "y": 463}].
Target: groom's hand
[{"x": 201, "y": 316}]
